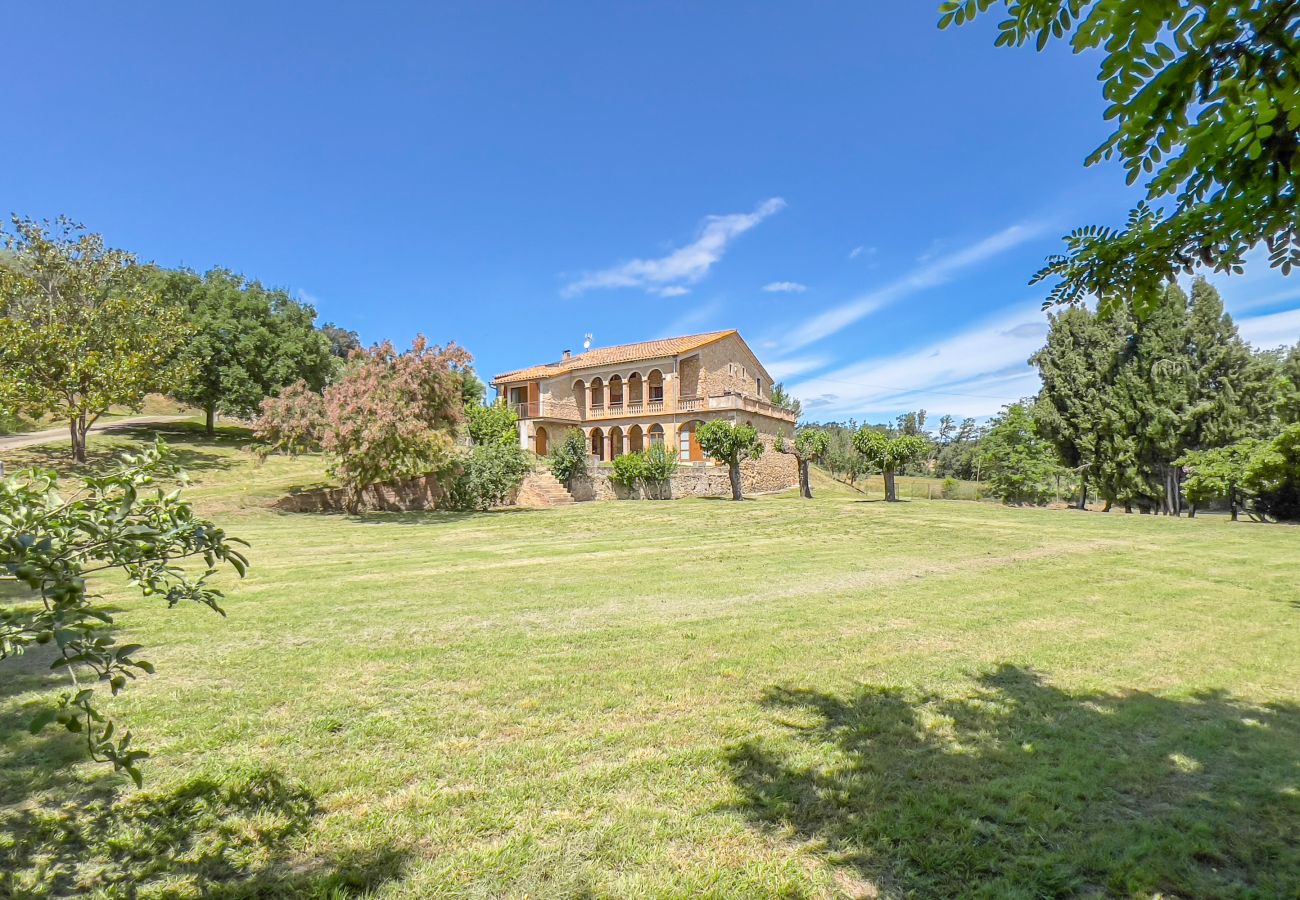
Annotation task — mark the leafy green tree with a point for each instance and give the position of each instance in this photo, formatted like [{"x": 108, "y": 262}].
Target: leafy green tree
[
  {"x": 51, "y": 543},
  {"x": 80, "y": 328},
  {"x": 1273, "y": 476},
  {"x": 248, "y": 342},
  {"x": 889, "y": 453},
  {"x": 342, "y": 341},
  {"x": 496, "y": 423},
  {"x": 785, "y": 400},
  {"x": 1204, "y": 100},
  {"x": 731, "y": 444},
  {"x": 660, "y": 465},
  {"x": 1021, "y": 465},
  {"x": 1289, "y": 405},
  {"x": 568, "y": 456},
  {"x": 959, "y": 457},
  {"x": 808, "y": 444},
  {"x": 1219, "y": 474},
  {"x": 628, "y": 469},
  {"x": 1073, "y": 365}
]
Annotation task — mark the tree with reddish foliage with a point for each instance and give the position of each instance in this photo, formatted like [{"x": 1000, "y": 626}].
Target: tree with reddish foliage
[
  {"x": 393, "y": 415},
  {"x": 291, "y": 423}
]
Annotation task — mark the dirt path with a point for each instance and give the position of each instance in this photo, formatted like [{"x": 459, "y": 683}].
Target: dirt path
[{"x": 51, "y": 435}]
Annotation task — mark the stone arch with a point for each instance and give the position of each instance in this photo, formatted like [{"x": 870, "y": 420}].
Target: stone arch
[
  {"x": 635, "y": 439},
  {"x": 635, "y": 388},
  {"x": 655, "y": 433},
  {"x": 540, "y": 441},
  {"x": 597, "y": 393},
  {"x": 616, "y": 390},
  {"x": 615, "y": 441},
  {"x": 596, "y": 443},
  {"x": 654, "y": 386}
]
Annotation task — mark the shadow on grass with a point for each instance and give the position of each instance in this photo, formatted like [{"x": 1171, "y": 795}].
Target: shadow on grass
[
  {"x": 1026, "y": 790},
  {"x": 186, "y": 439},
  {"x": 203, "y": 838}
]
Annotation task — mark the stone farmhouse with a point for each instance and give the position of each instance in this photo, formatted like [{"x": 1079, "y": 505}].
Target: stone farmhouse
[{"x": 626, "y": 397}]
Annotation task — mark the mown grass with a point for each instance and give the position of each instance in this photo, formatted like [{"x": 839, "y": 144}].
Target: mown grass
[{"x": 771, "y": 698}]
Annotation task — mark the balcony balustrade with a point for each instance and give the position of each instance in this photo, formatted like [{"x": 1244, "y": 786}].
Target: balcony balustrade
[{"x": 545, "y": 409}]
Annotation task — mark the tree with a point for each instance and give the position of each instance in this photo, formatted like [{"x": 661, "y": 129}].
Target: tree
[
  {"x": 80, "y": 328},
  {"x": 568, "y": 456},
  {"x": 1204, "y": 97},
  {"x": 808, "y": 444},
  {"x": 1289, "y": 407},
  {"x": 730, "y": 444},
  {"x": 292, "y": 423},
  {"x": 50, "y": 543},
  {"x": 785, "y": 400},
  {"x": 393, "y": 415},
  {"x": 1219, "y": 473},
  {"x": 1273, "y": 476},
  {"x": 248, "y": 342},
  {"x": 1021, "y": 464},
  {"x": 497, "y": 423},
  {"x": 1073, "y": 366},
  {"x": 889, "y": 453},
  {"x": 488, "y": 476},
  {"x": 342, "y": 341}
]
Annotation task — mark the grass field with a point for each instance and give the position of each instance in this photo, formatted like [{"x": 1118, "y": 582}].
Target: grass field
[{"x": 698, "y": 698}]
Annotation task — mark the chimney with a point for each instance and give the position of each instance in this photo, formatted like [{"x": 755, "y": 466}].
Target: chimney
[{"x": 567, "y": 354}]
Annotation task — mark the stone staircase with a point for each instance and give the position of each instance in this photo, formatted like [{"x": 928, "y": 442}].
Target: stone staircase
[{"x": 541, "y": 490}]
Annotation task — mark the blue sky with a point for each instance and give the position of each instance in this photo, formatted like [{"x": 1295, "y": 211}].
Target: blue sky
[{"x": 862, "y": 195}]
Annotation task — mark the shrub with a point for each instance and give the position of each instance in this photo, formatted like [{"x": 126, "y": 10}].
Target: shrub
[
  {"x": 291, "y": 423},
  {"x": 949, "y": 489},
  {"x": 628, "y": 469},
  {"x": 568, "y": 458},
  {"x": 488, "y": 476},
  {"x": 494, "y": 424}
]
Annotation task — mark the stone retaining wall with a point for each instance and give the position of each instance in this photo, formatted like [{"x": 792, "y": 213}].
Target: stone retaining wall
[
  {"x": 401, "y": 496},
  {"x": 771, "y": 473}
]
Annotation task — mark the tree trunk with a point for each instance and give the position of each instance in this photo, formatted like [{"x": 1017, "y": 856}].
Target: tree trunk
[
  {"x": 1083, "y": 493},
  {"x": 805, "y": 487},
  {"x": 78, "y": 440},
  {"x": 1232, "y": 500},
  {"x": 891, "y": 493},
  {"x": 733, "y": 470},
  {"x": 1191, "y": 511},
  {"x": 210, "y": 424}
]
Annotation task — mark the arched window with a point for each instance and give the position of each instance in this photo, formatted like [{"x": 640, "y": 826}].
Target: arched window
[
  {"x": 656, "y": 433},
  {"x": 654, "y": 383},
  {"x": 615, "y": 442},
  {"x": 597, "y": 394},
  {"x": 598, "y": 443},
  {"x": 635, "y": 388},
  {"x": 635, "y": 439},
  {"x": 615, "y": 392}
]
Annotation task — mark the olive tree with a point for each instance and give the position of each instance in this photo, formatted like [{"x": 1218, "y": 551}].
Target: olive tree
[
  {"x": 51, "y": 542},
  {"x": 731, "y": 444},
  {"x": 808, "y": 444},
  {"x": 889, "y": 453}
]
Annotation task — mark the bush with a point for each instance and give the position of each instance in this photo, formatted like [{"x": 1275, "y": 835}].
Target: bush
[
  {"x": 628, "y": 469},
  {"x": 660, "y": 466},
  {"x": 495, "y": 424},
  {"x": 568, "y": 458},
  {"x": 489, "y": 475},
  {"x": 949, "y": 489}
]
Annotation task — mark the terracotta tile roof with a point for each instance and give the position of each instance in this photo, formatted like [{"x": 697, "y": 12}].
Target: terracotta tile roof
[{"x": 620, "y": 353}]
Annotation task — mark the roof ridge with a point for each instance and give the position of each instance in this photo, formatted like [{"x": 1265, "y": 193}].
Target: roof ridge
[{"x": 598, "y": 356}]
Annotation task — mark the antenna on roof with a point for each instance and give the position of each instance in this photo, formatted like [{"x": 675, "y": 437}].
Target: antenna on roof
[{"x": 586, "y": 343}]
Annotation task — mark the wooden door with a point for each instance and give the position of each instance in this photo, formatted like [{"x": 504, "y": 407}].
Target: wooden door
[{"x": 539, "y": 445}]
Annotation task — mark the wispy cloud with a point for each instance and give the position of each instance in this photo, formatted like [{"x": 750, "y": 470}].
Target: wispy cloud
[
  {"x": 788, "y": 368},
  {"x": 785, "y": 287},
  {"x": 856, "y": 251},
  {"x": 929, "y": 275},
  {"x": 971, "y": 373},
  {"x": 667, "y": 275},
  {"x": 1274, "y": 330}
]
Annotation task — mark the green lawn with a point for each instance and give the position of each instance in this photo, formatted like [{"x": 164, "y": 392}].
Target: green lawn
[{"x": 778, "y": 697}]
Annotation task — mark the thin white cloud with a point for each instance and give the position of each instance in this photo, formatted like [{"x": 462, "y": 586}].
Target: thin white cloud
[
  {"x": 971, "y": 373},
  {"x": 672, "y": 290},
  {"x": 788, "y": 368},
  {"x": 785, "y": 287},
  {"x": 686, "y": 265},
  {"x": 1275, "y": 330},
  {"x": 856, "y": 251},
  {"x": 926, "y": 276}
]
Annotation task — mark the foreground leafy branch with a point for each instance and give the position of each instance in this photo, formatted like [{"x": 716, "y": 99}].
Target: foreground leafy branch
[{"x": 51, "y": 543}]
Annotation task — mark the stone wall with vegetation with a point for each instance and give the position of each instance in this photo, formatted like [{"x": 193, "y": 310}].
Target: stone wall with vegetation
[{"x": 771, "y": 473}]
